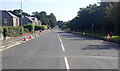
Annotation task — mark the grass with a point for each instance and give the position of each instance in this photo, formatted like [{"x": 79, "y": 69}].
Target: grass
[{"x": 114, "y": 38}]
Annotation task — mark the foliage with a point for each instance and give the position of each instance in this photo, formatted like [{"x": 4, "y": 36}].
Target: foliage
[
  {"x": 21, "y": 29},
  {"x": 26, "y": 30},
  {"x": 43, "y": 27},
  {"x": 11, "y": 31},
  {"x": 101, "y": 19},
  {"x": 18, "y": 12},
  {"x": 1, "y": 30},
  {"x": 30, "y": 27},
  {"x": 5, "y": 31},
  {"x": 46, "y": 19},
  {"x": 37, "y": 28}
]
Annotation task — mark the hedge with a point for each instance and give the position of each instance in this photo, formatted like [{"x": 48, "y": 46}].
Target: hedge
[
  {"x": 30, "y": 27},
  {"x": 11, "y": 31},
  {"x": 37, "y": 28},
  {"x": 44, "y": 27}
]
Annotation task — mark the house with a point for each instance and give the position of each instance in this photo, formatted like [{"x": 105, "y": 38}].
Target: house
[
  {"x": 8, "y": 19},
  {"x": 35, "y": 20},
  {"x": 27, "y": 20}
]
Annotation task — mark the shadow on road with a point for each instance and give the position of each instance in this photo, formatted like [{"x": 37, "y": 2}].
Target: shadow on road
[
  {"x": 101, "y": 47},
  {"x": 74, "y": 37}
]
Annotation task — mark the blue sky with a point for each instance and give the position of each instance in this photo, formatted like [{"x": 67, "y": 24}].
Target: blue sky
[{"x": 63, "y": 9}]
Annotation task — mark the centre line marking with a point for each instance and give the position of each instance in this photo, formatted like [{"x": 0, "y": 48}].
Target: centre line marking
[
  {"x": 63, "y": 47},
  {"x": 60, "y": 41},
  {"x": 66, "y": 63},
  {"x": 65, "y": 58}
]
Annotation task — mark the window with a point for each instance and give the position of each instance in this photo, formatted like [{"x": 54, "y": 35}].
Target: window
[{"x": 5, "y": 21}]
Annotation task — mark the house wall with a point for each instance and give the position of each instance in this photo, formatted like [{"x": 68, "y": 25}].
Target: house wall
[
  {"x": 7, "y": 21},
  {"x": 15, "y": 21}
]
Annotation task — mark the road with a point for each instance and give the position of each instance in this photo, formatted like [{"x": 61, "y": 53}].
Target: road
[{"x": 61, "y": 50}]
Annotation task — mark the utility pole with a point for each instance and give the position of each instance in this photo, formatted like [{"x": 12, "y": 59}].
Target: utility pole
[{"x": 21, "y": 12}]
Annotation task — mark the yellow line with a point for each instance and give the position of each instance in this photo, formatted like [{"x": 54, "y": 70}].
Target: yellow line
[
  {"x": 17, "y": 43},
  {"x": 10, "y": 46}
]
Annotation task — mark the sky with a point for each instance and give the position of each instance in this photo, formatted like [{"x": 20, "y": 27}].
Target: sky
[{"x": 63, "y": 9}]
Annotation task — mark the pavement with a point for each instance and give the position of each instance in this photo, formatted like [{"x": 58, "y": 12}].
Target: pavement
[
  {"x": 14, "y": 40},
  {"x": 61, "y": 50}
]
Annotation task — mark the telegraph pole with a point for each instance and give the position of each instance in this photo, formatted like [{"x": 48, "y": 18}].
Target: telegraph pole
[{"x": 21, "y": 12}]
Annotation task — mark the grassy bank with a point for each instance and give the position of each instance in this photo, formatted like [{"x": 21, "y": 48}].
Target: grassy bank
[{"x": 114, "y": 38}]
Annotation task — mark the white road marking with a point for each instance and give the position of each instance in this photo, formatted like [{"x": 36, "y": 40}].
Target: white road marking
[
  {"x": 60, "y": 41},
  {"x": 63, "y": 47},
  {"x": 58, "y": 36},
  {"x": 66, "y": 63},
  {"x": 65, "y": 58}
]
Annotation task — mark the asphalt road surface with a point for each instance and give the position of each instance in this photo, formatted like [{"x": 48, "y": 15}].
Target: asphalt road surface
[{"x": 61, "y": 50}]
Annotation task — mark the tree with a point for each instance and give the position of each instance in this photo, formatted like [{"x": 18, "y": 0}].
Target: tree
[
  {"x": 18, "y": 12},
  {"x": 46, "y": 19}
]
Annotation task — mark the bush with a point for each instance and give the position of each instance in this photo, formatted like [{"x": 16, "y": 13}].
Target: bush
[
  {"x": 5, "y": 31},
  {"x": 1, "y": 30},
  {"x": 21, "y": 30},
  {"x": 48, "y": 27},
  {"x": 43, "y": 27},
  {"x": 26, "y": 30},
  {"x": 30, "y": 27},
  {"x": 37, "y": 28}
]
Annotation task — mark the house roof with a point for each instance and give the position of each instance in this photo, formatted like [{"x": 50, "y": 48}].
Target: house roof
[
  {"x": 4, "y": 12},
  {"x": 14, "y": 16},
  {"x": 29, "y": 18}
]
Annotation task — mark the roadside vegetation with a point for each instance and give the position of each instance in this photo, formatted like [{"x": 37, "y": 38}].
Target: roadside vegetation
[
  {"x": 48, "y": 22},
  {"x": 97, "y": 21},
  {"x": 11, "y": 31}
]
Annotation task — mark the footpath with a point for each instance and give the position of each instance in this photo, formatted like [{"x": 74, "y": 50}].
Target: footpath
[{"x": 17, "y": 40}]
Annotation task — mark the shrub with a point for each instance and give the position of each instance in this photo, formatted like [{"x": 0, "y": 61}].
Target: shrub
[
  {"x": 43, "y": 27},
  {"x": 21, "y": 29},
  {"x": 11, "y": 31},
  {"x": 1, "y": 30},
  {"x": 30, "y": 27},
  {"x": 5, "y": 31},
  {"x": 37, "y": 28},
  {"x": 48, "y": 27},
  {"x": 26, "y": 30}
]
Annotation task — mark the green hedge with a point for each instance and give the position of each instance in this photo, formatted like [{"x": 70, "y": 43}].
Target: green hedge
[
  {"x": 11, "y": 31},
  {"x": 44, "y": 27},
  {"x": 30, "y": 27},
  {"x": 37, "y": 28}
]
